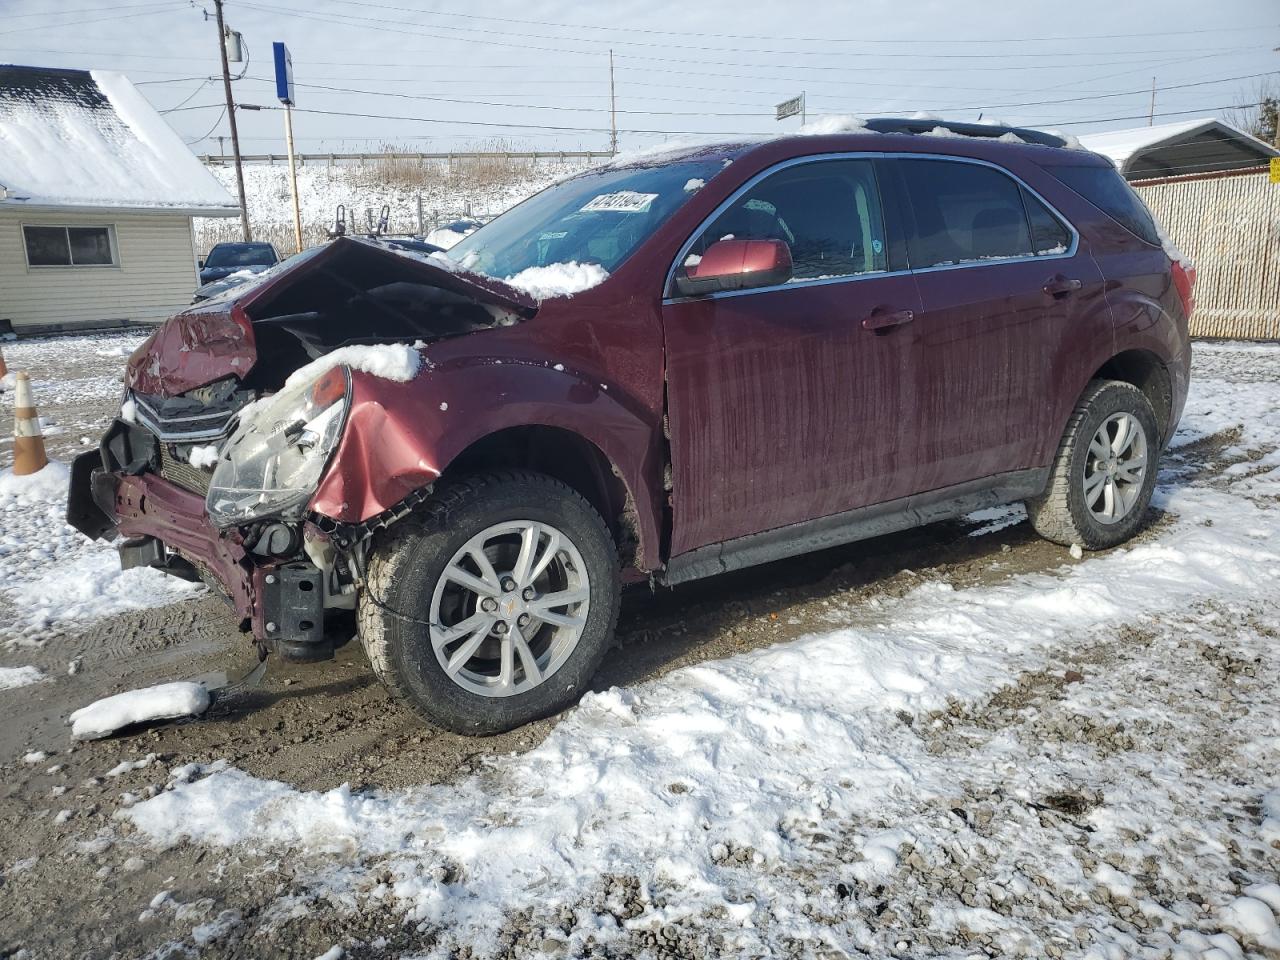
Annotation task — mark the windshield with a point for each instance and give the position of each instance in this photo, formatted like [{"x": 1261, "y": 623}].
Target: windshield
[
  {"x": 595, "y": 218},
  {"x": 240, "y": 255}
]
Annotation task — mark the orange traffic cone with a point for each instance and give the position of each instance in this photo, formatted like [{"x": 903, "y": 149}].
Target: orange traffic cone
[
  {"x": 4, "y": 367},
  {"x": 28, "y": 442}
]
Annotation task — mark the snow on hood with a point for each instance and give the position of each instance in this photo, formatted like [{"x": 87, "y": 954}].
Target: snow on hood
[
  {"x": 390, "y": 361},
  {"x": 558, "y": 279},
  {"x": 88, "y": 138}
]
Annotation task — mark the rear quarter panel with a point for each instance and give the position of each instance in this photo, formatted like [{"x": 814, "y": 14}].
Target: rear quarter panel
[{"x": 1142, "y": 310}]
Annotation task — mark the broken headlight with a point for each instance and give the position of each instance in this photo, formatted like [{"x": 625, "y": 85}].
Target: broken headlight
[{"x": 273, "y": 462}]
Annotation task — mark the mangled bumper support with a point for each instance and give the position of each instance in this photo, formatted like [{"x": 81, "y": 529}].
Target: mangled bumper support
[{"x": 166, "y": 527}]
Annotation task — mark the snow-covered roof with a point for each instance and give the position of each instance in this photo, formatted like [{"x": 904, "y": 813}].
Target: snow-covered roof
[
  {"x": 88, "y": 139},
  {"x": 1204, "y": 145}
]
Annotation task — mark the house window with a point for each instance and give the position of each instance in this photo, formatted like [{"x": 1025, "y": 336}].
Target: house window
[{"x": 70, "y": 246}]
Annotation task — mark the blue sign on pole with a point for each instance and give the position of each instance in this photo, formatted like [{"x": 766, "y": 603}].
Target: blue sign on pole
[{"x": 284, "y": 73}]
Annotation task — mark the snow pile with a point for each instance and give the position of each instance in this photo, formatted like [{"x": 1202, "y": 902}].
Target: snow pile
[
  {"x": 45, "y": 484},
  {"x": 51, "y": 574},
  {"x": 1254, "y": 918},
  {"x": 694, "y": 184},
  {"x": 67, "y": 149},
  {"x": 203, "y": 457},
  {"x": 446, "y": 237},
  {"x": 11, "y": 677},
  {"x": 390, "y": 361},
  {"x": 835, "y": 123},
  {"x": 163, "y": 702},
  {"x": 558, "y": 279}
]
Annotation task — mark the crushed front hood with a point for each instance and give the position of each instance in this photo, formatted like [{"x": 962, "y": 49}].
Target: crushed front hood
[{"x": 215, "y": 339}]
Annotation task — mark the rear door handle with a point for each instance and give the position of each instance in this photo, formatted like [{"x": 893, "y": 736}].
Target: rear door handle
[
  {"x": 1060, "y": 286},
  {"x": 881, "y": 318}
]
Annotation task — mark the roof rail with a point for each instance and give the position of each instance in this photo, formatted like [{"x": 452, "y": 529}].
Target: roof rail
[{"x": 903, "y": 125}]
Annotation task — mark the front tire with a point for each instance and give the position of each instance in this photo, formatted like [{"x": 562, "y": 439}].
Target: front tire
[
  {"x": 1104, "y": 472},
  {"x": 494, "y": 605}
]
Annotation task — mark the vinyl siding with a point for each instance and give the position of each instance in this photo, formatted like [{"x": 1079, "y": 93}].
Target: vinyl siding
[{"x": 155, "y": 276}]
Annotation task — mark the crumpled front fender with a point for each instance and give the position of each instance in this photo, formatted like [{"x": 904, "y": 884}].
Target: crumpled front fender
[{"x": 400, "y": 437}]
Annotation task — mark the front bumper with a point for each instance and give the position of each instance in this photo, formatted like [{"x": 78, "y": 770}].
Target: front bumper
[{"x": 282, "y": 603}]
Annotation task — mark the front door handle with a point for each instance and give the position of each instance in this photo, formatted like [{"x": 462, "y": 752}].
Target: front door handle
[
  {"x": 881, "y": 318},
  {"x": 1060, "y": 286}
]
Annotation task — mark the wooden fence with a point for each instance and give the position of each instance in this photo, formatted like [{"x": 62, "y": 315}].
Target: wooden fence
[{"x": 1230, "y": 227}]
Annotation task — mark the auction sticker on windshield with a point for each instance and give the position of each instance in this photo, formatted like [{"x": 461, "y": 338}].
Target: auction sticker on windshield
[{"x": 624, "y": 201}]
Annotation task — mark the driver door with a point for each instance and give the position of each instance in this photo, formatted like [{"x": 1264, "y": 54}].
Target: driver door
[{"x": 794, "y": 401}]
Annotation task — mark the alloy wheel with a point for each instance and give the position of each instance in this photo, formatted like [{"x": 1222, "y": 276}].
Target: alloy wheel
[
  {"x": 1115, "y": 468},
  {"x": 509, "y": 608}
]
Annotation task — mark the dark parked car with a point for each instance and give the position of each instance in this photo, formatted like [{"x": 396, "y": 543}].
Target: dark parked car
[
  {"x": 228, "y": 258},
  {"x": 796, "y": 343}
]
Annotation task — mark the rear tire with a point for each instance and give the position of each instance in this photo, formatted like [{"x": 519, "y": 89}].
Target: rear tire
[
  {"x": 1104, "y": 471},
  {"x": 450, "y": 631}
]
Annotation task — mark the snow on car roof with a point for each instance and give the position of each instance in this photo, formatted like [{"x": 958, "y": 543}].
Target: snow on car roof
[{"x": 80, "y": 138}]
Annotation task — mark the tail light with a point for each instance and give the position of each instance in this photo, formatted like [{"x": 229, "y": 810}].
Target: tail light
[{"x": 1184, "y": 279}]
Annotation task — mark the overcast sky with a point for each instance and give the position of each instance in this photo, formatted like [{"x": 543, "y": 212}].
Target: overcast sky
[{"x": 535, "y": 73}]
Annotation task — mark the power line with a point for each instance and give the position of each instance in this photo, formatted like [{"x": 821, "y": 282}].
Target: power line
[
  {"x": 667, "y": 45},
  {"x": 192, "y": 143},
  {"x": 77, "y": 23},
  {"x": 182, "y": 105},
  {"x": 732, "y": 36},
  {"x": 605, "y": 129},
  {"x": 522, "y": 44},
  {"x": 762, "y": 110},
  {"x": 113, "y": 7}
]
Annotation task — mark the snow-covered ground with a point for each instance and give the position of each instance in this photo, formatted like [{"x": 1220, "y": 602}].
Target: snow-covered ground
[
  {"x": 468, "y": 191},
  {"x": 1081, "y": 761},
  {"x": 50, "y": 575}
]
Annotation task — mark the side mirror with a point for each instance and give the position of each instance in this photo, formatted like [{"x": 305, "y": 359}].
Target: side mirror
[
  {"x": 200, "y": 264},
  {"x": 737, "y": 265}
]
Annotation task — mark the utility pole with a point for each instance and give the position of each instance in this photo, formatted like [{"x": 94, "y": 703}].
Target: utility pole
[
  {"x": 1151, "y": 114},
  {"x": 293, "y": 177},
  {"x": 231, "y": 119},
  {"x": 613, "y": 110}
]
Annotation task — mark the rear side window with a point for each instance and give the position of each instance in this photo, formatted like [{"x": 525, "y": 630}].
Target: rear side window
[
  {"x": 1108, "y": 191},
  {"x": 964, "y": 213},
  {"x": 828, "y": 212},
  {"x": 1049, "y": 236}
]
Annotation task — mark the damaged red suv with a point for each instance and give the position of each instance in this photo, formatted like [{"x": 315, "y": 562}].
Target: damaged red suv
[{"x": 654, "y": 371}]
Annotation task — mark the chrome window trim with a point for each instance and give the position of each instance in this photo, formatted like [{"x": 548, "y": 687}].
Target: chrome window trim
[{"x": 669, "y": 284}]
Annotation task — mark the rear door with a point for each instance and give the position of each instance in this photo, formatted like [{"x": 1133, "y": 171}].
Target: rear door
[
  {"x": 783, "y": 406},
  {"x": 1003, "y": 284}
]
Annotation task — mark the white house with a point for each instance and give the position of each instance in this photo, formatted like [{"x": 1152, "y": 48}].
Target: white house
[{"x": 97, "y": 193}]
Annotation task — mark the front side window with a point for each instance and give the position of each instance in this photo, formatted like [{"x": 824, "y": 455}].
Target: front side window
[
  {"x": 69, "y": 246},
  {"x": 964, "y": 213},
  {"x": 827, "y": 212}
]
